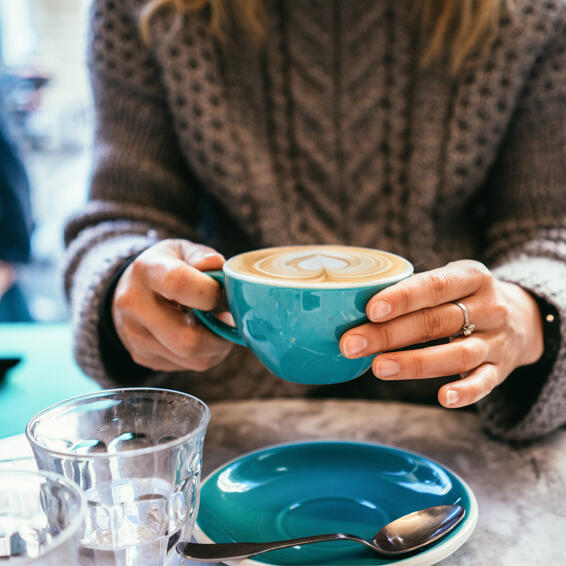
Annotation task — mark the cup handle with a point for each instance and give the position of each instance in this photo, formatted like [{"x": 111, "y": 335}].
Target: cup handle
[{"x": 213, "y": 323}]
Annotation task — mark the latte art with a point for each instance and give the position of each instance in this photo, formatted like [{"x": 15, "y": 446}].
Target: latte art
[
  {"x": 333, "y": 266},
  {"x": 321, "y": 267}
]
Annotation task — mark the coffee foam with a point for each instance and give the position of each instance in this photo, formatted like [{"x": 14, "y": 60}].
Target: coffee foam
[{"x": 318, "y": 266}]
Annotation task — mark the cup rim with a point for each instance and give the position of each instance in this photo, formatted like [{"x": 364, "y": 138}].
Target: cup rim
[
  {"x": 326, "y": 286},
  {"x": 77, "y": 519},
  {"x": 126, "y": 453}
]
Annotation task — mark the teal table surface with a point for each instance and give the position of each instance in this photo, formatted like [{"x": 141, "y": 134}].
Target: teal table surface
[{"x": 45, "y": 375}]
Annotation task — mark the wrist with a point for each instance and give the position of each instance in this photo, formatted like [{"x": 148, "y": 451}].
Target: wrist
[{"x": 529, "y": 323}]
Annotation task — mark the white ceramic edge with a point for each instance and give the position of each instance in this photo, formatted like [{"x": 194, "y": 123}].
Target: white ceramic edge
[
  {"x": 426, "y": 558},
  {"x": 334, "y": 286}
]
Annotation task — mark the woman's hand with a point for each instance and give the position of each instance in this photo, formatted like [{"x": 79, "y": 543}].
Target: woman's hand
[
  {"x": 508, "y": 330},
  {"x": 146, "y": 307}
]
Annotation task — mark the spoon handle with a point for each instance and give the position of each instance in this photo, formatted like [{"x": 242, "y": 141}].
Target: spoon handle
[{"x": 238, "y": 550}]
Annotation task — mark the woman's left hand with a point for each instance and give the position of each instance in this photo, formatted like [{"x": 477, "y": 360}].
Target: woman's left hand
[{"x": 508, "y": 330}]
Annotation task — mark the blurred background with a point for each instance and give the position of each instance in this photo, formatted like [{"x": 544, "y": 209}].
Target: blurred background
[
  {"x": 46, "y": 105},
  {"x": 45, "y": 150}
]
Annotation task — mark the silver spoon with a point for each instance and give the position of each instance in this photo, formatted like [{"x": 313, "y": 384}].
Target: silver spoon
[{"x": 403, "y": 535}]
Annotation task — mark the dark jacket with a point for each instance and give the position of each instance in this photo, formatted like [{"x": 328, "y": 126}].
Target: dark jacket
[{"x": 15, "y": 213}]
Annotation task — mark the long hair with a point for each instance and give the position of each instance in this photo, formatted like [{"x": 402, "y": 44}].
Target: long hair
[{"x": 458, "y": 29}]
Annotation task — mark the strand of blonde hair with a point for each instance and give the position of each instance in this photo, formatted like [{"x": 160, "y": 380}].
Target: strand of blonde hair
[
  {"x": 247, "y": 12},
  {"x": 458, "y": 29}
]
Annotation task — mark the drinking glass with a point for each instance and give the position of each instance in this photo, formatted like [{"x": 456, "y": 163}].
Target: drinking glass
[
  {"x": 41, "y": 519},
  {"x": 136, "y": 453}
]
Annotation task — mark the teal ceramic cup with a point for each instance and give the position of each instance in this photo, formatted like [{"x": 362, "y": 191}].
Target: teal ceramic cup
[{"x": 292, "y": 304}]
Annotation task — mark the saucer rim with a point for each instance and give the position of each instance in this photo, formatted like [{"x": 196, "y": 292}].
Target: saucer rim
[{"x": 428, "y": 557}]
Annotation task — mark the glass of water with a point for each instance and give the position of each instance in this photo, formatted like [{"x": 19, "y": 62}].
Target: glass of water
[
  {"x": 136, "y": 453},
  {"x": 41, "y": 519}
]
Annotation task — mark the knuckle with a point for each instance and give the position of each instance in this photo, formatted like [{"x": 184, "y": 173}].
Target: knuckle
[
  {"x": 485, "y": 385},
  {"x": 467, "y": 356},
  {"x": 404, "y": 297},
  {"x": 417, "y": 367},
  {"x": 207, "y": 296},
  {"x": 174, "y": 281},
  {"x": 480, "y": 271},
  {"x": 432, "y": 323},
  {"x": 437, "y": 285},
  {"x": 385, "y": 338},
  {"x": 138, "y": 268},
  {"x": 124, "y": 300},
  {"x": 502, "y": 349},
  {"x": 501, "y": 313}
]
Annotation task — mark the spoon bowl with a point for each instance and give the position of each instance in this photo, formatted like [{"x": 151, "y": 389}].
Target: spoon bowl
[{"x": 401, "y": 536}]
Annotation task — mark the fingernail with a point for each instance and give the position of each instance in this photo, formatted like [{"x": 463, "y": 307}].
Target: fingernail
[
  {"x": 354, "y": 345},
  {"x": 386, "y": 368},
  {"x": 452, "y": 397},
  {"x": 202, "y": 255},
  {"x": 379, "y": 310}
]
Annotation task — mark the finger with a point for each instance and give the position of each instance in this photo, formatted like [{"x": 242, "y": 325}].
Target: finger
[
  {"x": 155, "y": 363},
  {"x": 431, "y": 288},
  {"x": 185, "y": 336},
  {"x": 476, "y": 385},
  {"x": 178, "y": 331},
  {"x": 226, "y": 317},
  {"x": 434, "y": 361},
  {"x": 146, "y": 350},
  {"x": 143, "y": 348},
  {"x": 171, "y": 277},
  {"x": 202, "y": 257},
  {"x": 414, "y": 328},
  {"x": 158, "y": 363}
]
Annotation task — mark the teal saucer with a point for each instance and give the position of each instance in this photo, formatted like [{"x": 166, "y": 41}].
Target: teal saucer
[{"x": 307, "y": 488}]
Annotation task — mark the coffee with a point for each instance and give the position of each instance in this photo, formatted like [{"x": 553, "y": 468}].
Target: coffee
[
  {"x": 291, "y": 305},
  {"x": 318, "y": 266}
]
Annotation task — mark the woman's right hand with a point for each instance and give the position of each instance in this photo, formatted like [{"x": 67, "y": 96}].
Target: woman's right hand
[{"x": 146, "y": 307}]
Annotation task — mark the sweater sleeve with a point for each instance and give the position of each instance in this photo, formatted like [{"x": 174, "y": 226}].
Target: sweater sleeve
[
  {"x": 141, "y": 190},
  {"x": 526, "y": 242}
]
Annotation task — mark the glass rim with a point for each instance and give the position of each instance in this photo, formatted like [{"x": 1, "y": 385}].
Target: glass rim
[
  {"x": 334, "y": 286},
  {"x": 77, "y": 519},
  {"x": 126, "y": 453}
]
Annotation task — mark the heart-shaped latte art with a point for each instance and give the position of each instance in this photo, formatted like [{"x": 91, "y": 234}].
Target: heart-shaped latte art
[{"x": 319, "y": 264}]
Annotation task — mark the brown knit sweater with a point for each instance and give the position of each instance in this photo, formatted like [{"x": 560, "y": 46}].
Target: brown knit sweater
[{"x": 329, "y": 132}]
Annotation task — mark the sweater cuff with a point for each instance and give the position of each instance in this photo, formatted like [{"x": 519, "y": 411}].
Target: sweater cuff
[
  {"x": 528, "y": 404},
  {"x": 89, "y": 275}
]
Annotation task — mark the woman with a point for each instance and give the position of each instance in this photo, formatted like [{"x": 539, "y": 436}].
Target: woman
[{"x": 432, "y": 129}]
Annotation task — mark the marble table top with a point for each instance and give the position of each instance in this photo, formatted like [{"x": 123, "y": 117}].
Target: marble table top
[{"x": 521, "y": 489}]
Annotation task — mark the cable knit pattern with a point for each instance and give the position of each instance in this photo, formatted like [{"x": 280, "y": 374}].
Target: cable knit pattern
[{"x": 329, "y": 132}]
